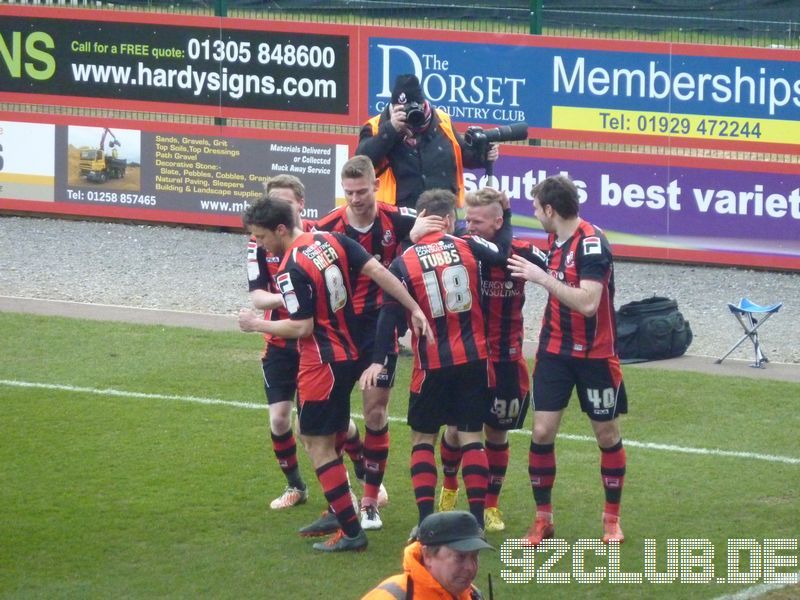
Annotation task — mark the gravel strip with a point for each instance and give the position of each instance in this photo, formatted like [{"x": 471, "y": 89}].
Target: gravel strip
[{"x": 204, "y": 271}]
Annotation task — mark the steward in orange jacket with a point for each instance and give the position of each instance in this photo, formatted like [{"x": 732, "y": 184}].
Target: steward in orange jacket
[{"x": 441, "y": 565}]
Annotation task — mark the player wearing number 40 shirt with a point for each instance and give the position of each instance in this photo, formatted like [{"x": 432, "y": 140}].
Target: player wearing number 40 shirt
[
  {"x": 503, "y": 298},
  {"x": 280, "y": 358},
  {"x": 576, "y": 349},
  {"x": 450, "y": 379},
  {"x": 315, "y": 280}
]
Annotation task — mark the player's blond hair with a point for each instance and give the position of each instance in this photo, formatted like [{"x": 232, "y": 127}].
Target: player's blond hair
[{"x": 485, "y": 197}]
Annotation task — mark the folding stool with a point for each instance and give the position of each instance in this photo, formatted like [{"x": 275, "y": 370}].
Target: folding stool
[{"x": 745, "y": 312}]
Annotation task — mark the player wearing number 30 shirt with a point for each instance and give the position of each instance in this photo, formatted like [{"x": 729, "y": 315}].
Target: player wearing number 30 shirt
[{"x": 450, "y": 380}]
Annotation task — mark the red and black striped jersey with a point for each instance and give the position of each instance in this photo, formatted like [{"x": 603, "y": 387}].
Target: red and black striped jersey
[
  {"x": 442, "y": 273},
  {"x": 315, "y": 278},
  {"x": 262, "y": 268},
  {"x": 382, "y": 240},
  {"x": 503, "y": 299},
  {"x": 566, "y": 332}
]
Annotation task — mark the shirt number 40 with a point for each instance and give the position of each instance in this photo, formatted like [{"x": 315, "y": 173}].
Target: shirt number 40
[{"x": 605, "y": 398}]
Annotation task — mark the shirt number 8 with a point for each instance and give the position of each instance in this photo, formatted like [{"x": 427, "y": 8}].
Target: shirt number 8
[{"x": 337, "y": 292}]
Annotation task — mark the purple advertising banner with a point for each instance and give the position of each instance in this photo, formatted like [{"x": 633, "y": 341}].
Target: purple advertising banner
[{"x": 675, "y": 208}]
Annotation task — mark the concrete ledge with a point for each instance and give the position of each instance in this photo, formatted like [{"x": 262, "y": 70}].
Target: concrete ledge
[
  {"x": 730, "y": 367},
  {"x": 125, "y": 314},
  {"x": 215, "y": 322},
  {"x": 705, "y": 364}
]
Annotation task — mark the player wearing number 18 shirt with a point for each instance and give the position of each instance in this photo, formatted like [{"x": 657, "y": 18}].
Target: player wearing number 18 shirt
[
  {"x": 450, "y": 378},
  {"x": 576, "y": 350},
  {"x": 503, "y": 298}
]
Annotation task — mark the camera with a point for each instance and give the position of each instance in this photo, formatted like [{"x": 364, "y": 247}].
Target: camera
[
  {"x": 415, "y": 114},
  {"x": 480, "y": 138}
]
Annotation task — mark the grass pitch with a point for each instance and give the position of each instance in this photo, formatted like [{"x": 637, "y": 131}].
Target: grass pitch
[{"x": 135, "y": 462}]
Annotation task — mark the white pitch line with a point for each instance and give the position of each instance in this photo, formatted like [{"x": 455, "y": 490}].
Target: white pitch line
[
  {"x": 773, "y": 458},
  {"x": 755, "y": 592},
  {"x": 747, "y": 594},
  {"x": 124, "y": 394},
  {"x": 789, "y": 460}
]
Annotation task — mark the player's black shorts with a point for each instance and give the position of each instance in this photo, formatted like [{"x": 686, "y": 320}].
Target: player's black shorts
[
  {"x": 449, "y": 396},
  {"x": 601, "y": 390},
  {"x": 280, "y": 373},
  {"x": 323, "y": 394},
  {"x": 364, "y": 327},
  {"x": 512, "y": 395}
]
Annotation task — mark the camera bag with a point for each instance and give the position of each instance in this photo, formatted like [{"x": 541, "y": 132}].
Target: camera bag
[{"x": 652, "y": 329}]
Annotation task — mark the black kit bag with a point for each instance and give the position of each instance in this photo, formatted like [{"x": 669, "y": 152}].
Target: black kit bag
[{"x": 652, "y": 329}]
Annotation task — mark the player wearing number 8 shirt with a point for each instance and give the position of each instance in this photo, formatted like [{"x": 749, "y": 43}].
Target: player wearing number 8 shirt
[
  {"x": 450, "y": 379},
  {"x": 280, "y": 357},
  {"x": 576, "y": 350},
  {"x": 315, "y": 280}
]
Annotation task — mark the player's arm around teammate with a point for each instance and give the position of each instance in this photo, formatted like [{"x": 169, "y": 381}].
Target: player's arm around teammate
[
  {"x": 576, "y": 350},
  {"x": 503, "y": 298},
  {"x": 279, "y": 361}
]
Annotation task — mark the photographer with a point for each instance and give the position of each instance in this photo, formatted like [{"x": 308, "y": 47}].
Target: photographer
[{"x": 414, "y": 147}]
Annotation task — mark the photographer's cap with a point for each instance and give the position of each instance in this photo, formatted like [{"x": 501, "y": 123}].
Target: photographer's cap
[
  {"x": 407, "y": 89},
  {"x": 457, "y": 529}
]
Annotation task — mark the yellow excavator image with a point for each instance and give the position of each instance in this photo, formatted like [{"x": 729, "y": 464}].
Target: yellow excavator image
[{"x": 97, "y": 166}]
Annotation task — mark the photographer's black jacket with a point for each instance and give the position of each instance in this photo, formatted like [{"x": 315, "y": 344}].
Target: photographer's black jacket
[{"x": 433, "y": 159}]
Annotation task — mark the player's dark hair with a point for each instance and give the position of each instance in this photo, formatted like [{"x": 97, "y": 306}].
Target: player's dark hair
[
  {"x": 439, "y": 202},
  {"x": 269, "y": 212},
  {"x": 559, "y": 192}
]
